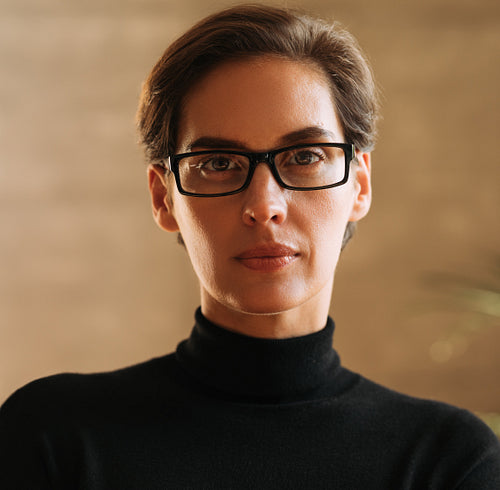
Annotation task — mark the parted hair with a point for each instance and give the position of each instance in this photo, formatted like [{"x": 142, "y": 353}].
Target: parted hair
[{"x": 247, "y": 31}]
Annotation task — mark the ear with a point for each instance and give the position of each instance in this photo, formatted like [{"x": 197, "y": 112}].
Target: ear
[
  {"x": 160, "y": 199},
  {"x": 362, "y": 186}
]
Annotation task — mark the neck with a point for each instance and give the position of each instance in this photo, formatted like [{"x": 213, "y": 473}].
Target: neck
[{"x": 307, "y": 318}]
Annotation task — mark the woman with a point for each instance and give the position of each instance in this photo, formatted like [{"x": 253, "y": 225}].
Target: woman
[{"x": 258, "y": 125}]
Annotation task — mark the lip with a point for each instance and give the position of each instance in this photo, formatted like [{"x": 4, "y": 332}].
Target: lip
[{"x": 270, "y": 257}]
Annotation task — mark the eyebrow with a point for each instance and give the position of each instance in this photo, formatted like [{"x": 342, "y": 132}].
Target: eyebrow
[{"x": 295, "y": 137}]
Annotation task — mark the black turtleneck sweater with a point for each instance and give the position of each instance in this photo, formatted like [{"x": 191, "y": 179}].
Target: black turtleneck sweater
[{"x": 230, "y": 411}]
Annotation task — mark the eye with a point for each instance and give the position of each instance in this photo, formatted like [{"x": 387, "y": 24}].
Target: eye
[
  {"x": 306, "y": 156},
  {"x": 218, "y": 163}
]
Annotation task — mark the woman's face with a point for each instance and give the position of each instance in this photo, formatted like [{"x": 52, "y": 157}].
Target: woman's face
[{"x": 266, "y": 250}]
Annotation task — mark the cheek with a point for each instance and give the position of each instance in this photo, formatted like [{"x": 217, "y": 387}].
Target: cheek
[
  {"x": 202, "y": 233},
  {"x": 330, "y": 215},
  {"x": 327, "y": 222}
]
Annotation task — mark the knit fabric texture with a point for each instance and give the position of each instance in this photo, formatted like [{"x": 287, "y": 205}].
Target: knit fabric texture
[{"x": 227, "y": 411}]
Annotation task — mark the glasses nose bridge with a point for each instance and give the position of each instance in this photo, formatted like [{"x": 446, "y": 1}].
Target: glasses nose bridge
[{"x": 266, "y": 157}]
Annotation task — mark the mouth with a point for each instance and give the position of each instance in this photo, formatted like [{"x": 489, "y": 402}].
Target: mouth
[{"x": 268, "y": 258}]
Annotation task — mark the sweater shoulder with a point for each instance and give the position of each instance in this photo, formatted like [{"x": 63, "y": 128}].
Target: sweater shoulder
[
  {"x": 437, "y": 435},
  {"x": 58, "y": 394},
  {"x": 375, "y": 393},
  {"x": 447, "y": 423}
]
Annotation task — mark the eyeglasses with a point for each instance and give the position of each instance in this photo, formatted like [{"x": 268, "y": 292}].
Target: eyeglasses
[{"x": 305, "y": 167}]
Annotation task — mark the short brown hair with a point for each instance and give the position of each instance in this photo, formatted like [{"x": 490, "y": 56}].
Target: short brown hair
[{"x": 246, "y": 31}]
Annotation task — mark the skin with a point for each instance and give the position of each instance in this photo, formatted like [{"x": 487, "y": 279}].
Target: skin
[{"x": 263, "y": 104}]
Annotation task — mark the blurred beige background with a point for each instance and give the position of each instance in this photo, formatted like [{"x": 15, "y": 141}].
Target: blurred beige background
[{"x": 89, "y": 283}]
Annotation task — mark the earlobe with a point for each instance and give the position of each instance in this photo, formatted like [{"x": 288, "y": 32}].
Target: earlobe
[
  {"x": 362, "y": 186},
  {"x": 160, "y": 199}
]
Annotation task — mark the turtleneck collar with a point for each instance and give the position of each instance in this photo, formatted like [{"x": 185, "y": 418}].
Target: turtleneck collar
[{"x": 265, "y": 370}]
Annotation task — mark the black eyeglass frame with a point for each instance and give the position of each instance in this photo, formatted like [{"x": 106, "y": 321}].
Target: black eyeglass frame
[{"x": 172, "y": 163}]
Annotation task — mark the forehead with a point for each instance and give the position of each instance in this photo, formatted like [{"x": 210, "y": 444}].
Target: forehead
[{"x": 256, "y": 102}]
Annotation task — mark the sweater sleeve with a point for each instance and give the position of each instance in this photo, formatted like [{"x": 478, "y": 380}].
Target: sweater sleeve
[
  {"x": 23, "y": 464},
  {"x": 477, "y": 449},
  {"x": 485, "y": 474}
]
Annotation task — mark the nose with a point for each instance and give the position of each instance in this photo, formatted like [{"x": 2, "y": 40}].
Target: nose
[{"x": 264, "y": 199}]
